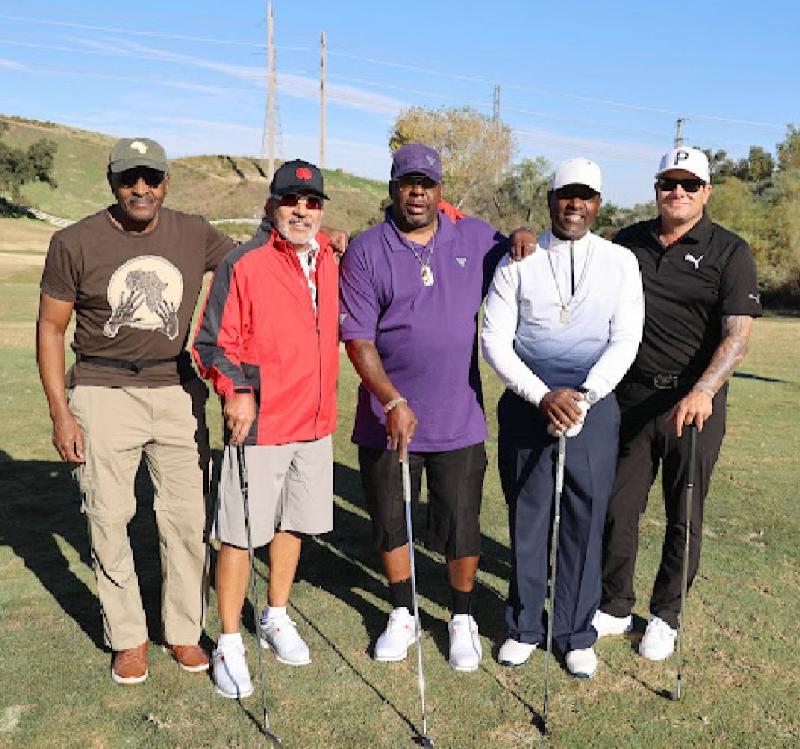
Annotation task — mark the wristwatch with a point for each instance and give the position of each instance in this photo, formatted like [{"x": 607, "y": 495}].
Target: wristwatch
[{"x": 590, "y": 396}]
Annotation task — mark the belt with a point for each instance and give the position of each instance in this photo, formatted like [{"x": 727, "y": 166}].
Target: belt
[
  {"x": 660, "y": 381},
  {"x": 132, "y": 366}
]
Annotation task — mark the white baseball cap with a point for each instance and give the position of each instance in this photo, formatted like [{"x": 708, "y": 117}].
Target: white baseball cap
[
  {"x": 689, "y": 159},
  {"x": 577, "y": 172}
]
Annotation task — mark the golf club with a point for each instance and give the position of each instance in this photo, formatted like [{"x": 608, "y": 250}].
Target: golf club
[
  {"x": 676, "y": 694},
  {"x": 265, "y": 729},
  {"x": 562, "y": 448},
  {"x": 423, "y": 735}
]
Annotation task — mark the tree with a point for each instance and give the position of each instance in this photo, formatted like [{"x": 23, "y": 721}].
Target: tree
[
  {"x": 789, "y": 150},
  {"x": 760, "y": 164},
  {"x": 475, "y": 149},
  {"x": 19, "y": 166}
]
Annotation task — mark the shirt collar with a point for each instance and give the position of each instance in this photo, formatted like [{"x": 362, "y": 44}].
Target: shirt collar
[
  {"x": 700, "y": 233},
  {"x": 550, "y": 241},
  {"x": 284, "y": 245},
  {"x": 398, "y": 242}
]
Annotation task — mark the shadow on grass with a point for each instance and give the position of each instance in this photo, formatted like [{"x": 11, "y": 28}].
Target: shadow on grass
[{"x": 42, "y": 505}]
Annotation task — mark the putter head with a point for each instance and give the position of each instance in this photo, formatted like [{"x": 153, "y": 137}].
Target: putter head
[
  {"x": 424, "y": 741},
  {"x": 272, "y": 738}
]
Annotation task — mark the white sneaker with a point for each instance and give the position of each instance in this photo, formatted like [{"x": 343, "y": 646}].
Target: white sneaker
[
  {"x": 279, "y": 634},
  {"x": 229, "y": 669},
  {"x": 514, "y": 653},
  {"x": 658, "y": 641},
  {"x": 582, "y": 663},
  {"x": 465, "y": 644},
  {"x": 394, "y": 641},
  {"x": 606, "y": 625}
]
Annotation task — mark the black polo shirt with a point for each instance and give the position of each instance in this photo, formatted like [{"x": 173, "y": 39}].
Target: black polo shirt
[{"x": 688, "y": 288}]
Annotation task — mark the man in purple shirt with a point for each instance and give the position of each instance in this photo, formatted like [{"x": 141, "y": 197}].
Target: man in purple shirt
[{"x": 411, "y": 289}]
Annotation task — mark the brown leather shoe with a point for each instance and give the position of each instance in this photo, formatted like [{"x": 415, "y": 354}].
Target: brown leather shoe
[
  {"x": 190, "y": 657},
  {"x": 130, "y": 666}
]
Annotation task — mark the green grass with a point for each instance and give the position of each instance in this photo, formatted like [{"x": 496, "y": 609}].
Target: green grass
[{"x": 742, "y": 668}]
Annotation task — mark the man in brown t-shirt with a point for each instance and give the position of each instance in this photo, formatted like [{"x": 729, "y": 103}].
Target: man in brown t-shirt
[{"x": 132, "y": 274}]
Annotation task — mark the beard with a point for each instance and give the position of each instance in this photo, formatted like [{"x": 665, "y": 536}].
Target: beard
[{"x": 298, "y": 231}]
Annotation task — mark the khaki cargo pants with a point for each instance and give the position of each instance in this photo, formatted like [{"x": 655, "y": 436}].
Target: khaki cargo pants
[{"x": 167, "y": 424}]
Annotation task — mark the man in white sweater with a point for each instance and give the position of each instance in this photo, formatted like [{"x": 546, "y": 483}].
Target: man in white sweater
[{"x": 561, "y": 328}]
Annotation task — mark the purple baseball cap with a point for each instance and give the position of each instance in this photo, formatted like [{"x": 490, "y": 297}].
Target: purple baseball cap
[{"x": 417, "y": 158}]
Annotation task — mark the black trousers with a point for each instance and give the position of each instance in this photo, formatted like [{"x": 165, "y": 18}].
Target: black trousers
[
  {"x": 527, "y": 461},
  {"x": 647, "y": 440}
]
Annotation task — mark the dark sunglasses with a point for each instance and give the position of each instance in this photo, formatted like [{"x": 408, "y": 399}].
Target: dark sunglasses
[
  {"x": 414, "y": 180},
  {"x": 582, "y": 192},
  {"x": 666, "y": 184},
  {"x": 313, "y": 203},
  {"x": 129, "y": 178}
]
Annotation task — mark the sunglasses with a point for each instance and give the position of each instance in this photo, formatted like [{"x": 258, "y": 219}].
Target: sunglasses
[
  {"x": 665, "y": 184},
  {"x": 130, "y": 177},
  {"x": 414, "y": 180},
  {"x": 582, "y": 192},
  {"x": 313, "y": 203}
]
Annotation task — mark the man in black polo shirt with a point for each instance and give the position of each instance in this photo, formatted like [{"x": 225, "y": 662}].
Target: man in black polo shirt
[{"x": 701, "y": 297}]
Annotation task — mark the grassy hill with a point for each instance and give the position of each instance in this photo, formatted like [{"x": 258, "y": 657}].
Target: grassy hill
[{"x": 217, "y": 186}]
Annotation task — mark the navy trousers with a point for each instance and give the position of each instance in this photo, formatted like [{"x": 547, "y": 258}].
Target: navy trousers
[{"x": 527, "y": 461}]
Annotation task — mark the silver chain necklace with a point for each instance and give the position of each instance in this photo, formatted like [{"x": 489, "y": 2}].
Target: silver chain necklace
[
  {"x": 566, "y": 313},
  {"x": 425, "y": 271}
]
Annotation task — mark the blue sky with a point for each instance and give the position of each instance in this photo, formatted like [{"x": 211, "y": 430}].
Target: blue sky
[{"x": 601, "y": 80}]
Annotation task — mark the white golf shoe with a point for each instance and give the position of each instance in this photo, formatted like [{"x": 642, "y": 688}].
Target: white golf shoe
[
  {"x": 394, "y": 641},
  {"x": 279, "y": 634},
  {"x": 607, "y": 625},
  {"x": 465, "y": 644},
  {"x": 514, "y": 653},
  {"x": 658, "y": 641},
  {"x": 581, "y": 663},
  {"x": 229, "y": 669}
]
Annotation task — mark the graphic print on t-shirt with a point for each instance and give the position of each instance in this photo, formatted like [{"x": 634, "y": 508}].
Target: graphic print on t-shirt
[{"x": 145, "y": 293}]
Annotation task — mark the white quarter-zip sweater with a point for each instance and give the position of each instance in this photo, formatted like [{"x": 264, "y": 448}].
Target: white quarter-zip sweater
[{"x": 525, "y": 339}]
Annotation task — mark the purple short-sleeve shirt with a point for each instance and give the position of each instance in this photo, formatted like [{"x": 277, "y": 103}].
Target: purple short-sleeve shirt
[{"x": 426, "y": 335}]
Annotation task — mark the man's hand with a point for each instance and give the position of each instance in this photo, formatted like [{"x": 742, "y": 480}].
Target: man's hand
[
  {"x": 240, "y": 413},
  {"x": 68, "y": 438},
  {"x": 400, "y": 425},
  {"x": 561, "y": 408},
  {"x": 694, "y": 408},
  {"x": 338, "y": 239},
  {"x": 523, "y": 243}
]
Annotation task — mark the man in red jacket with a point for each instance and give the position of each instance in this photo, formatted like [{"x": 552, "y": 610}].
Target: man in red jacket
[{"x": 268, "y": 341}]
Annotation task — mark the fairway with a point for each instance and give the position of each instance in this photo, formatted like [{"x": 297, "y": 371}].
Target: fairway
[{"x": 742, "y": 670}]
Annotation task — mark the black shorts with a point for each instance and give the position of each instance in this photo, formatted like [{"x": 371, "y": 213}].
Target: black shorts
[{"x": 455, "y": 490}]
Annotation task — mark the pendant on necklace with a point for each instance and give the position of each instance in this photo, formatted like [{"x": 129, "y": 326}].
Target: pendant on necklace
[
  {"x": 427, "y": 275},
  {"x": 565, "y": 315}
]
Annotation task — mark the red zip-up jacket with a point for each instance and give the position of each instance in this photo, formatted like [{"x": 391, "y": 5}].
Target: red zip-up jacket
[{"x": 259, "y": 332}]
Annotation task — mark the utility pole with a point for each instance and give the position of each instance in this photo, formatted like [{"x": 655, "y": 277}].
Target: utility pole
[
  {"x": 322, "y": 102},
  {"x": 268, "y": 136},
  {"x": 679, "y": 131},
  {"x": 496, "y": 103}
]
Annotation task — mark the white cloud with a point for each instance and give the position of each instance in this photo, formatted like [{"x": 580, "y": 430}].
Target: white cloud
[{"x": 12, "y": 64}]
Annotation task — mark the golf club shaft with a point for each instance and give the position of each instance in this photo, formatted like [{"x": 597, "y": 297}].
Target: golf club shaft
[
  {"x": 562, "y": 447},
  {"x": 243, "y": 482},
  {"x": 417, "y": 628},
  {"x": 685, "y": 572}
]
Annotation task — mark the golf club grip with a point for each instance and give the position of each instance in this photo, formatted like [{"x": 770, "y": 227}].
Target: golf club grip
[{"x": 406, "y": 480}]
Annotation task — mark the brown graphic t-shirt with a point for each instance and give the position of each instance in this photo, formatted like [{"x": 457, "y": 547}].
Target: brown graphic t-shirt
[{"x": 134, "y": 294}]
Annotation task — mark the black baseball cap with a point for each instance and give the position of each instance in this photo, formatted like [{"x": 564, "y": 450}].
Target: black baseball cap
[{"x": 297, "y": 176}]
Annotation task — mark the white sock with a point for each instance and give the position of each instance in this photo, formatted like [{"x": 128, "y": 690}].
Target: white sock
[
  {"x": 232, "y": 638},
  {"x": 275, "y": 612}
]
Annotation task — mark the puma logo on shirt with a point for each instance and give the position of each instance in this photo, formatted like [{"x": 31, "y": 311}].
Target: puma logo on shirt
[{"x": 693, "y": 259}]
